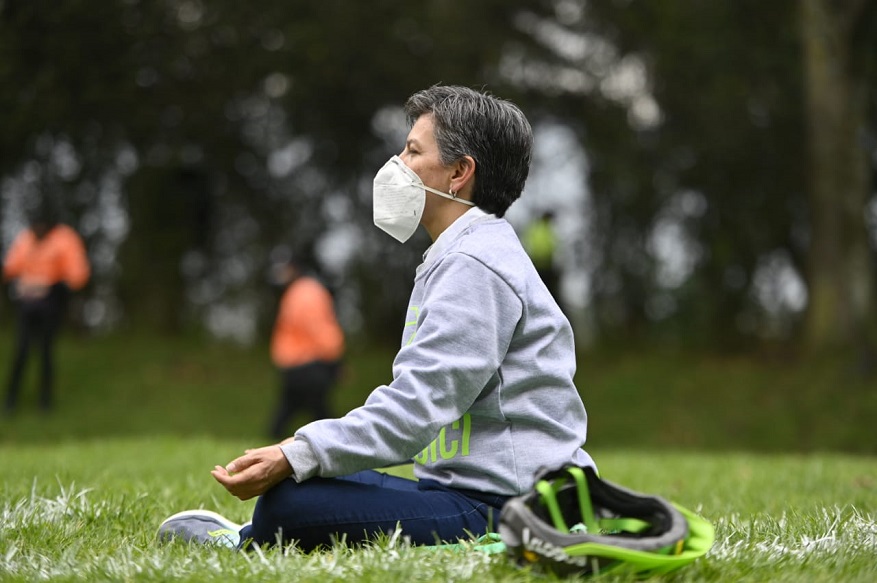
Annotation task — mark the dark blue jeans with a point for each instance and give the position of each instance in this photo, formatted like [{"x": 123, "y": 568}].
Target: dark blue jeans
[{"x": 361, "y": 505}]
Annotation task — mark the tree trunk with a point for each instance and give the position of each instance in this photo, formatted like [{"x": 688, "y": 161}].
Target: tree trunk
[{"x": 840, "y": 277}]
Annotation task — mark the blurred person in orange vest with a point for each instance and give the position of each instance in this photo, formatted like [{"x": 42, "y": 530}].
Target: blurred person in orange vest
[
  {"x": 540, "y": 242},
  {"x": 306, "y": 346},
  {"x": 44, "y": 263}
]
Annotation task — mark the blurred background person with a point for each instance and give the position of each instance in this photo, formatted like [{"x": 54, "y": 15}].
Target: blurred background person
[
  {"x": 45, "y": 262},
  {"x": 541, "y": 244},
  {"x": 307, "y": 345}
]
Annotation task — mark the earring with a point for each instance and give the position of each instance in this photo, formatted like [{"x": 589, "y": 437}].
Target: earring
[{"x": 452, "y": 193}]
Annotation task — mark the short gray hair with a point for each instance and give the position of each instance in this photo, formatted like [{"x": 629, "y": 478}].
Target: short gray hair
[{"x": 491, "y": 130}]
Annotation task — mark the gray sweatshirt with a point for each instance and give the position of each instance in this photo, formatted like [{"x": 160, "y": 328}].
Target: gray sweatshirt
[{"x": 482, "y": 395}]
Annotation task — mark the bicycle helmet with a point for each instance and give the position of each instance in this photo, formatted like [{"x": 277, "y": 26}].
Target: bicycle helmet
[{"x": 574, "y": 523}]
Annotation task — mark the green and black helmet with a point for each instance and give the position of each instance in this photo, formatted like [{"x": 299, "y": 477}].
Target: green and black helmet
[{"x": 574, "y": 523}]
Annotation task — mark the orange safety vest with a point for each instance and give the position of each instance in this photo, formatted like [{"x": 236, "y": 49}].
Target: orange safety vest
[
  {"x": 306, "y": 329},
  {"x": 59, "y": 256}
]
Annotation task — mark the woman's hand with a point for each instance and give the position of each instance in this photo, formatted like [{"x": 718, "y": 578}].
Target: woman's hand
[{"x": 254, "y": 473}]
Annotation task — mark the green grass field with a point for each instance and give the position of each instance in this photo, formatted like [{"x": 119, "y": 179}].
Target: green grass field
[{"x": 139, "y": 424}]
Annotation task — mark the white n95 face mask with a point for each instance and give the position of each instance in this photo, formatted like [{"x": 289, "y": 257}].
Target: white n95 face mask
[{"x": 399, "y": 199}]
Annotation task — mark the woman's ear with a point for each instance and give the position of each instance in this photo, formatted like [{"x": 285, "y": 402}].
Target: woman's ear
[{"x": 463, "y": 176}]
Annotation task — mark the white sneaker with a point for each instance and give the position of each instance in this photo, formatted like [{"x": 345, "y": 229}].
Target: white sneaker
[{"x": 201, "y": 527}]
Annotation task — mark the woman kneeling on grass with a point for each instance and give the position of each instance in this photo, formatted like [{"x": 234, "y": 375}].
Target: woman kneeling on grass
[{"x": 482, "y": 395}]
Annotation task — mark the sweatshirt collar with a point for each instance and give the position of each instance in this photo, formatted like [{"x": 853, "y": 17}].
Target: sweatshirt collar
[{"x": 453, "y": 231}]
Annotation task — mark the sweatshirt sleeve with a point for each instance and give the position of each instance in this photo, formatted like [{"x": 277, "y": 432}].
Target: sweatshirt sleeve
[{"x": 467, "y": 317}]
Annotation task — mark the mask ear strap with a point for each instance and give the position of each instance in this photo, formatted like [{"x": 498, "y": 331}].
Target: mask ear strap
[
  {"x": 416, "y": 181},
  {"x": 452, "y": 196}
]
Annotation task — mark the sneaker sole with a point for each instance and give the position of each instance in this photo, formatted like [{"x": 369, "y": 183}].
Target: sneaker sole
[{"x": 226, "y": 523}]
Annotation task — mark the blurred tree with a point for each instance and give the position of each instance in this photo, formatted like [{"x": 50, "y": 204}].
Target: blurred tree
[
  {"x": 755, "y": 113},
  {"x": 840, "y": 50},
  {"x": 162, "y": 234},
  {"x": 273, "y": 107},
  {"x": 225, "y": 129},
  {"x": 691, "y": 117},
  {"x": 139, "y": 93}
]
